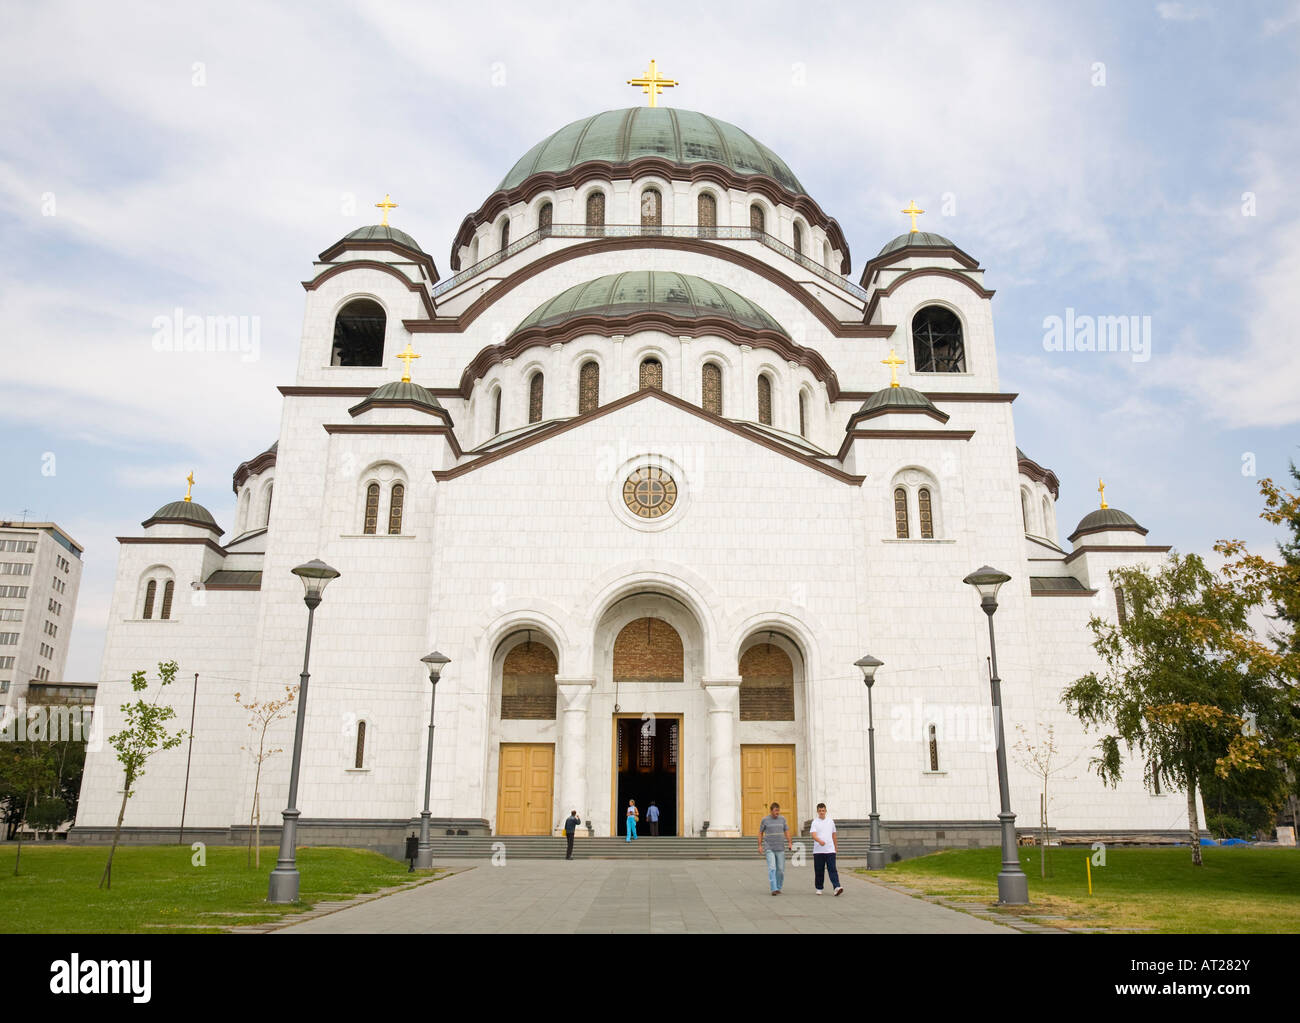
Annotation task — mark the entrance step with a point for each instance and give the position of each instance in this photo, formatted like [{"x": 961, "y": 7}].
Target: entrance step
[{"x": 473, "y": 847}]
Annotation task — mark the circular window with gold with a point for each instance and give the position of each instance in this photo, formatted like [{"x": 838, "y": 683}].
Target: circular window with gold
[{"x": 650, "y": 492}]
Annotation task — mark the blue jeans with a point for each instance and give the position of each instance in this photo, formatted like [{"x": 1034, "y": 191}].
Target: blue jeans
[
  {"x": 631, "y": 828},
  {"x": 775, "y": 868}
]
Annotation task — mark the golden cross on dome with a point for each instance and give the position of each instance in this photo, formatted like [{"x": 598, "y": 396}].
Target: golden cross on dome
[
  {"x": 189, "y": 481},
  {"x": 1101, "y": 489},
  {"x": 893, "y": 362},
  {"x": 386, "y": 205},
  {"x": 407, "y": 355},
  {"x": 653, "y": 83},
  {"x": 913, "y": 211}
]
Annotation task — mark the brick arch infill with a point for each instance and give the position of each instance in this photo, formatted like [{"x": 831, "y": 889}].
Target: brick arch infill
[
  {"x": 458, "y": 324},
  {"x": 922, "y": 271}
]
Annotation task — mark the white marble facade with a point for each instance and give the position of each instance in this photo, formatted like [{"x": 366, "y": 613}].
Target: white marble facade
[{"x": 774, "y": 538}]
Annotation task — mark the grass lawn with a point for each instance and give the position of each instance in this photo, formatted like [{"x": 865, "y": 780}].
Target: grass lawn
[
  {"x": 1237, "y": 891},
  {"x": 157, "y": 890}
]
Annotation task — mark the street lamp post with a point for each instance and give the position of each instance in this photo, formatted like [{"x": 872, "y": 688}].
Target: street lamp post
[
  {"x": 1013, "y": 885},
  {"x": 875, "y": 852},
  {"x": 424, "y": 854},
  {"x": 315, "y": 576}
]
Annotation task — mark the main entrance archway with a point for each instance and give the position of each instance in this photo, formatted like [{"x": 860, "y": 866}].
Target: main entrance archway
[{"x": 647, "y": 754}]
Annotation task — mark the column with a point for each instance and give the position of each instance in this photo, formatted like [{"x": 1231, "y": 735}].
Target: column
[
  {"x": 574, "y": 698},
  {"x": 748, "y": 403},
  {"x": 724, "y": 710},
  {"x": 686, "y": 387}
]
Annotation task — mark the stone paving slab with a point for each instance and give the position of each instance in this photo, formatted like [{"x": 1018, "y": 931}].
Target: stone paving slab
[{"x": 640, "y": 897}]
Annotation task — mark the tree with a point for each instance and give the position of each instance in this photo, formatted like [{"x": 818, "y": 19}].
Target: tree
[
  {"x": 264, "y": 714},
  {"x": 143, "y": 734},
  {"x": 1038, "y": 757},
  {"x": 28, "y": 772},
  {"x": 1171, "y": 686}
]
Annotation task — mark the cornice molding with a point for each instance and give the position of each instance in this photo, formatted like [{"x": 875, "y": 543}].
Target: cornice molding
[
  {"x": 371, "y": 264},
  {"x": 378, "y": 245},
  {"x": 1134, "y": 549},
  {"x": 921, "y": 271}
]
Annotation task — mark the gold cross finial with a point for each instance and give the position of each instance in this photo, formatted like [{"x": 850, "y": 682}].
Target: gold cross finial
[
  {"x": 386, "y": 205},
  {"x": 652, "y": 82},
  {"x": 913, "y": 211},
  {"x": 1101, "y": 489},
  {"x": 407, "y": 355},
  {"x": 189, "y": 480},
  {"x": 893, "y": 362}
]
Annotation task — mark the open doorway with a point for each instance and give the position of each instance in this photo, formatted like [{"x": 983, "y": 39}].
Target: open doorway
[{"x": 647, "y": 757}]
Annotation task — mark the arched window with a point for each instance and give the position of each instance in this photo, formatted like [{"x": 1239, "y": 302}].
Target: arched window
[
  {"x": 359, "y": 334},
  {"x": 934, "y": 748},
  {"x": 245, "y": 502},
  {"x": 169, "y": 588},
  {"x": 706, "y": 210},
  {"x": 900, "y": 513},
  {"x": 359, "y": 757},
  {"x": 473, "y": 252},
  {"x": 1121, "y": 612},
  {"x": 826, "y": 255},
  {"x": 756, "y": 218},
  {"x": 150, "y": 591},
  {"x": 589, "y": 387},
  {"x": 803, "y": 414},
  {"x": 544, "y": 216},
  {"x": 652, "y": 374},
  {"x": 505, "y": 233},
  {"x": 798, "y": 239},
  {"x": 372, "y": 510},
  {"x": 1047, "y": 518},
  {"x": 396, "y": 496},
  {"x": 652, "y": 208},
  {"x": 535, "y": 398},
  {"x": 266, "y": 511},
  {"x": 927, "y": 515},
  {"x": 711, "y": 388},
  {"x": 936, "y": 341},
  {"x": 766, "y": 684},
  {"x": 528, "y": 689},
  {"x": 1024, "y": 509},
  {"x": 595, "y": 210},
  {"x": 765, "y": 399},
  {"x": 496, "y": 412}
]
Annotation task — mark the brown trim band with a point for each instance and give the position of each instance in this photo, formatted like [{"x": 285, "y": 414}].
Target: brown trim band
[
  {"x": 370, "y": 264},
  {"x": 917, "y": 251},
  {"x": 414, "y": 255},
  {"x": 458, "y": 324},
  {"x": 1117, "y": 550},
  {"x": 255, "y": 465},
  {"x": 370, "y": 403},
  {"x": 1106, "y": 529},
  {"x": 887, "y": 410},
  {"x": 210, "y": 544},
  {"x": 1028, "y": 467},
  {"x": 990, "y": 397},
  {"x": 154, "y": 520},
  {"x": 646, "y": 166},
  {"x": 396, "y": 428},
  {"x": 646, "y": 394},
  {"x": 234, "y": 586},
  {"x": 921, "y": 271},
  {"x": 851, "y": 435},
  {"x": 1062, "y": 593}
]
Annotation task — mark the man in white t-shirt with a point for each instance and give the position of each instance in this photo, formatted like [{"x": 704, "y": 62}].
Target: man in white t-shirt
[{"x": 823, "y": 835}]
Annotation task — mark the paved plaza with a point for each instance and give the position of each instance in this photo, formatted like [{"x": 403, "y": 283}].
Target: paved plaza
[{"x": 641, "y": 896}]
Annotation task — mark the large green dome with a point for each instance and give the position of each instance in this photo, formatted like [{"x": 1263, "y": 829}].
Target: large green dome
[
  {"x": 681, "y": 136},
  {"x": 638, "y": 291}
]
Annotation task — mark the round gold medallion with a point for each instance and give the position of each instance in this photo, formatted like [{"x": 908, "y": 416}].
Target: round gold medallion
[{"x": 650, "y": 492}]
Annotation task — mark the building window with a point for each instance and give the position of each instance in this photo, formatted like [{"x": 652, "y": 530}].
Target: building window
[
  {"x": 798, "y": 239},
  {"x": 652, "y": 208},
  {"x": 359, "y": 760},
  {"x": 1121, "y": 612},
  {"x": 535, "y": 398},
  {"x": 544, "y": 216},
  {"x": 756, "y": 218},
  {"x": 900, "y": 513},
  {"x": 765, "y": 400},
  {"x": 395, "y": 498},
  {"x": 359, "y": 334},
  {"x": 803, "y": 414},
  {"x": 16, "y": 614},
  {"x": 596, "y": 210},
  {"x": 937, "y": 342},
  {"x": 589, "y": 387},
  {"x": 372, "y": 510},
  {"x": 934, "y": 749},
  {"x": 711, "y": 388},
  {"x": 1024, "y": 509},
  {"x": 927, "y": 515},
  {"x": 8, "y": 639},
  {"x": 652, "y": 374},
  {"x": 1047, "y": 518},
  {"x": 706, "y": 210},
  {"x": 496, "y": 413},
  {"x": 149, "y": 593},
  {"x": 505, "y": 233},
  {"x": 266, "y": 517},
  {"x": 168, "y": 589}
]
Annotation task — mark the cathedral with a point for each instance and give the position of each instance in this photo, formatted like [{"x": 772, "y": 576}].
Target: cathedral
[{"x": 654, "y": 465}]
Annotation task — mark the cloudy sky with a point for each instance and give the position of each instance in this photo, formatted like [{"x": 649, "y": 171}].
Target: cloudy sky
[{"x": 1120, "y": 159}]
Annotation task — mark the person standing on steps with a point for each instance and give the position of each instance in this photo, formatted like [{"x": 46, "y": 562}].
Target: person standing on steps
[
  {"x": 570, "y": 829},
  {"x": 632, "y": 817},
  {"x": 822, "y": 830},
  {"x": 773, "y": 841},
  {"x": 652, "y": 815}
]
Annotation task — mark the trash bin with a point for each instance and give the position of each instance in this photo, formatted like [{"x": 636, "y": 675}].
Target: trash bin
[{"x": 412, "y": 850}]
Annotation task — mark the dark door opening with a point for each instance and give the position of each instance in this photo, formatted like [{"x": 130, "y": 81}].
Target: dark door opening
[{"x": 646, "y": 761}]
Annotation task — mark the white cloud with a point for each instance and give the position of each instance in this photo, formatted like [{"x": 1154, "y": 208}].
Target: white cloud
[{"x": 1181, "y": 12}]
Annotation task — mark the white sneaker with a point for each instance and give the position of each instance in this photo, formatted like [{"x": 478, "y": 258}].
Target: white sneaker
[
  {"x": 818, "y": 891},
  {"x": 839, "y": 891}
]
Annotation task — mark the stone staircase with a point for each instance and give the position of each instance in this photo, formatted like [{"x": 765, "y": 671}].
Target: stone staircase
[{"x": 483, "y": 847}]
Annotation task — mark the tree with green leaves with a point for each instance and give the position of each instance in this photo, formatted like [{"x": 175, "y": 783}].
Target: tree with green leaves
[
  {"x": 28, "y": 772},
  {"x": 144, "y": 733},
  {"x": 1173, "y": 688}
]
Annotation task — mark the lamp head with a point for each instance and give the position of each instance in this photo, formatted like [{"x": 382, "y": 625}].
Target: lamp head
[
  {"x": 435, "y": 663},
  {"x": 868, "y": 664},
  {"x": 315, "y": 576},
  {"x": 987, "y": 581}
]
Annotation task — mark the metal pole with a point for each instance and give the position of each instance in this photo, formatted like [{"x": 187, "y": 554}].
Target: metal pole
[
  {"x": 1013, "y": 885},
  {"x": 189, "y": 751},
  {"x": 284, "y": 878},
  {"x": 875, "y": 853},
  {"x": 424, "y": 854}
]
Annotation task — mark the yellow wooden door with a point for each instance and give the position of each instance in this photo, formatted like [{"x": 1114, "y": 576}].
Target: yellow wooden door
[
  {"x": 767, "y": 775},
  {"x": 524, "y": 785}
]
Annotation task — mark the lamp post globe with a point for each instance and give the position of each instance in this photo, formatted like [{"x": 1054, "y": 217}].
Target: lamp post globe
[
  {"x": 434, "y": 662},
  {"x": 875, "y": 851}
]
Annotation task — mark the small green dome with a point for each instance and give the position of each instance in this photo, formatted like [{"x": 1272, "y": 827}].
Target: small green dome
[
  {"x": 403, "y": 391},
  {"x": 680, "y": 136},
  {"x": 664, "y": 291},
  {"x": 1106, "y": 518},
  {"x": 897, "y": 398},
  {"x": 381, "y": 233},
  {"x": 924, "y": 239},
  {"x": 184, "y": 512}
]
